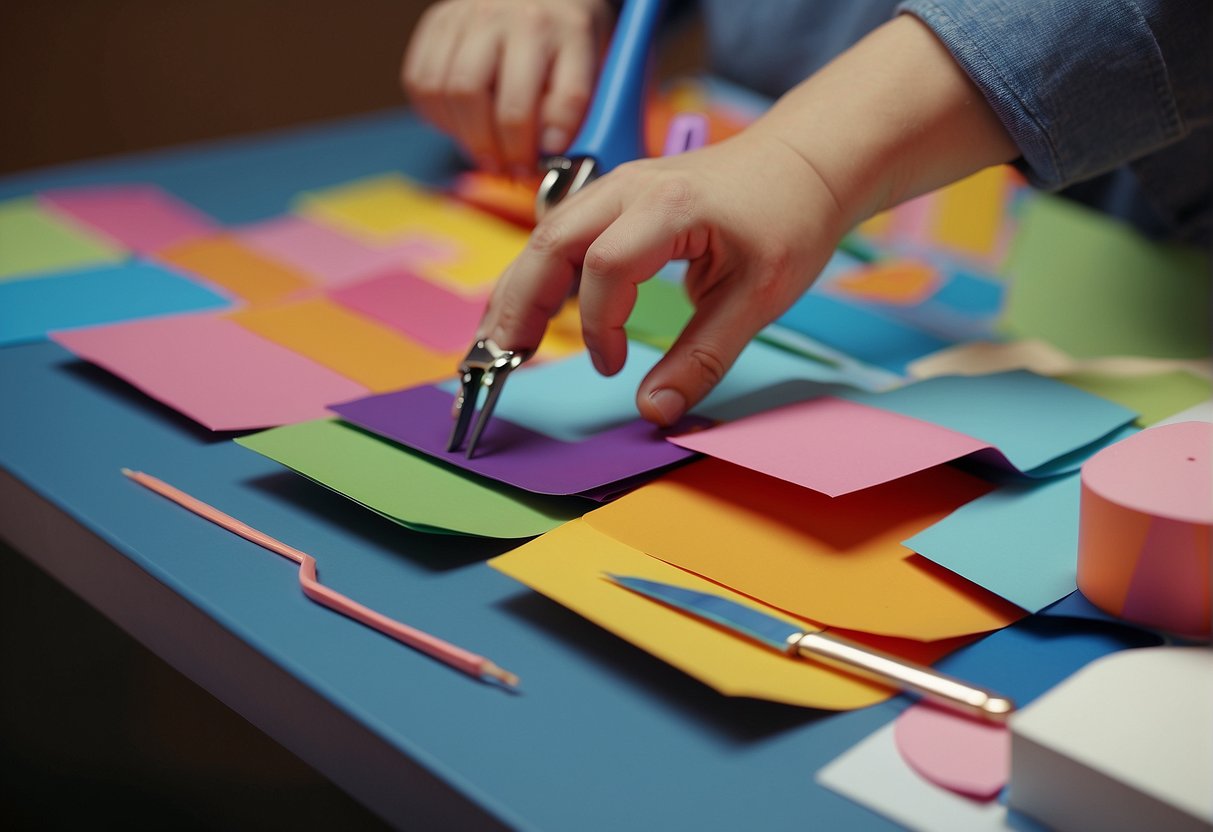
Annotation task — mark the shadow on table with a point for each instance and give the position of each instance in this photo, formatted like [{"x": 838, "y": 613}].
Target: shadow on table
[
  {"x": 739, "y": 720},
  {"x": 437, "y": 552}
]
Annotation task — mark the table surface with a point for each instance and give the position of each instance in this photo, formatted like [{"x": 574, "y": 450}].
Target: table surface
[{"x": 601, "y": 735}]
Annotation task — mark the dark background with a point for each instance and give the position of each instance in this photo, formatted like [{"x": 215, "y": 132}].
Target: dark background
[{"x": 94, "y": 729}]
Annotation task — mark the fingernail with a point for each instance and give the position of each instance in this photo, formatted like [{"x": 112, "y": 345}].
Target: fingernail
[
  {"x": 669, "y": 404},
  {"x": 554, "y": 140}
]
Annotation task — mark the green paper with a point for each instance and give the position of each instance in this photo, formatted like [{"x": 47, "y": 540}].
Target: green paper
[
  {"x": 1153, "y": 397},
  {"x": 662, "y": 310},
  {"x": 408, "y": 488},
  {"x": 33, "y": 240},
  {"x": 1094, "y": 287}
]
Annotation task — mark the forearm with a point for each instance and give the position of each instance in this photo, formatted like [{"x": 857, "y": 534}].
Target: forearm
[{"x": 891, "y": 118}]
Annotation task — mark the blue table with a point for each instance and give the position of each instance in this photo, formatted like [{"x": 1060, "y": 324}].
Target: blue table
[{"x": 601, "y": 736}]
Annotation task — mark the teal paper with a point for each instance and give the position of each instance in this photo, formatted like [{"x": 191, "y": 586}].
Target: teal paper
[
  {"x": 1020, "y": 541},
  {"x": 569, "y": 400},
  {"x": 29, "y": 309},
  {"x": 1033, "y": 420}
]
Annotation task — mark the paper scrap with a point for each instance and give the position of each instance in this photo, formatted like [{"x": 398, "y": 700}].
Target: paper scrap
[
  {"x": 834, "y": 560},
  {"x": 568, "y": 565},
  {"x": 420, "y": 418},
  {"x": 223, "y": 261},
  {"x": 407, "y": 488},
  {"x": 969, "y": 218},
  {"x": 354, "y": 346},
  {"x": 968, "y": 756},
  {"x": 425, "y": 312},
  {"x": 144, "y": 218},
  {"x": 978, "y": 358},
  {"x": 1092, "y": 286},
  {"x": 1019, "y": 542},
  {"x": 33, "y": 241},
  {"x": 662, "y": 309},
  {"x": 895, "y": 282},
  {"x": 330, "y": 256},
  {"x": 213, "y": 370},
  {"x": 31, "y": 308}
]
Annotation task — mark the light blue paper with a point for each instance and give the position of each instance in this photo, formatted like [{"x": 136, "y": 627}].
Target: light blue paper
[
  {"x": 971, "y": 295},
  {"x": 863, "y": 334},
  {"x": 29, "y": 309},
  {"x": 1019, "y": 542},
  {"x": 1033, "y": 420}
]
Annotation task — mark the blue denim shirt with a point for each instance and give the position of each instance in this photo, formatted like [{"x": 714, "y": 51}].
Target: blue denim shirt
[{"x": 1108, "y": 100}]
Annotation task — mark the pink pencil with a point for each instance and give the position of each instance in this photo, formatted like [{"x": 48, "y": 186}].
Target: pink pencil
[{"x": 456, "y": 657}]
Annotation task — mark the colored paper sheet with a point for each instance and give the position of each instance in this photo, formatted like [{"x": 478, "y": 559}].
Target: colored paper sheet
[
  {"x": 330, "y": 256},
  {"x": 214, "y": 371},
  {"x": 897, "y": 283},
  {"x": 662, "y": 310},
  {"x": 1092, "y": 286},
  {"x": 358, "y": 348},
  {"x": 223, "y": 261},
  {"x": 1154, "y": 397},
  {"x": 831, "y": 445},
  {"x": 569, "y": 564},
  {"x": 866, "y": 335},
  {"x": 143, "y": 218},
  {"x": 838, "y": 561},
  {"x": 970, "y": 294},
  {"x": 569, "y": 400},
  {"x": 1032, "y": 420},
  {"x": 968, "y": 756},
  {"x": 969, "y": 214},
  {"x": 1019, "y": 542},
  {"x": 420, "y": 419},
  {"x": 32, "y": 241},
  {"x": 406, "y": 487},
  {"x": 389, "y": 208},
  {"x": 31, "y": 308},
  {"x": 976, "y": 358},
  {"x": 425, "y": 312}
]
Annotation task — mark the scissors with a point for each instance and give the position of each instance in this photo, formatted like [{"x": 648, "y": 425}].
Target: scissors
[{"x": 611, "y": 134}]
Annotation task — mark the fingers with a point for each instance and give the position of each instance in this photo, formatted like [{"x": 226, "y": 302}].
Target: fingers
[
  {"x": 427, "y": 60},
  {"x": 723, "y": 324},
  {"x": 469, "y": 99},
  {"x": 536, "y": 284},
  {"x": 524, "y": 66},
  {"x": 654, "y": 229},
  {"x": 568, "y": 92}
]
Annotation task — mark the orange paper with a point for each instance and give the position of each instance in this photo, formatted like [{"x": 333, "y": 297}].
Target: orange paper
[
  {"x": 223, "y": 261},
  {"x": 568, "y": 565},
  {"x": 835, "y": 560},
  {"x": 358, "y": 348}
]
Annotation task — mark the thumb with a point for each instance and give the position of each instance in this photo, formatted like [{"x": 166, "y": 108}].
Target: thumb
[{"x": 721, "y": 327}]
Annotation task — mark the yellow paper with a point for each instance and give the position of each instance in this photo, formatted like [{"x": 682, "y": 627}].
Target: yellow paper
[
  {"x": 246, "y": 274},
  {"x": 835, "y": 560},
  {"x": 563, "y": 335},
  {"x": 390, "y": 208},
  {"x": 360, "y": 349},
  {"x": 567, "y": 565},
  {"x": 970, "y": 212}
]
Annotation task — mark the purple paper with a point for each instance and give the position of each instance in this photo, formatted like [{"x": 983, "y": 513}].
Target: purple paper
[{"x": 420, "y": 418}]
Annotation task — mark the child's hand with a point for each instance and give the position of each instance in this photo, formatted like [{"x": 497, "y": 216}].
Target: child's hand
[
  {"x": 756, "y": 216},
  {"x": 509, "y": 79}
]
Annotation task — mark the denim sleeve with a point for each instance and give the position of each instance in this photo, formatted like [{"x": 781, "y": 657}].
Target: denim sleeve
[{"x": 1082, "y": 86}]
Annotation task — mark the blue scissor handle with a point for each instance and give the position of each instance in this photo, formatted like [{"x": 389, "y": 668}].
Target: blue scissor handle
[{"x": 613, "y": 130}]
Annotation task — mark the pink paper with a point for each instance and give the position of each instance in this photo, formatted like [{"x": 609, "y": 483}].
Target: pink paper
[
  {"x": 416, "y": 307},
  {"x": 330, "y": 256},
  {"x": 832, "y": 445},
  {"x": 214, "y": 371},
  {"x": 958, "y": 753},
  {"x": 143, "y": 218}
]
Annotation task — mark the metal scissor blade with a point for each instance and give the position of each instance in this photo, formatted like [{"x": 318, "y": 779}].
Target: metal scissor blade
[
  {"x": 465, "y": 407},
  {"x": 494, "y": 384}
]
